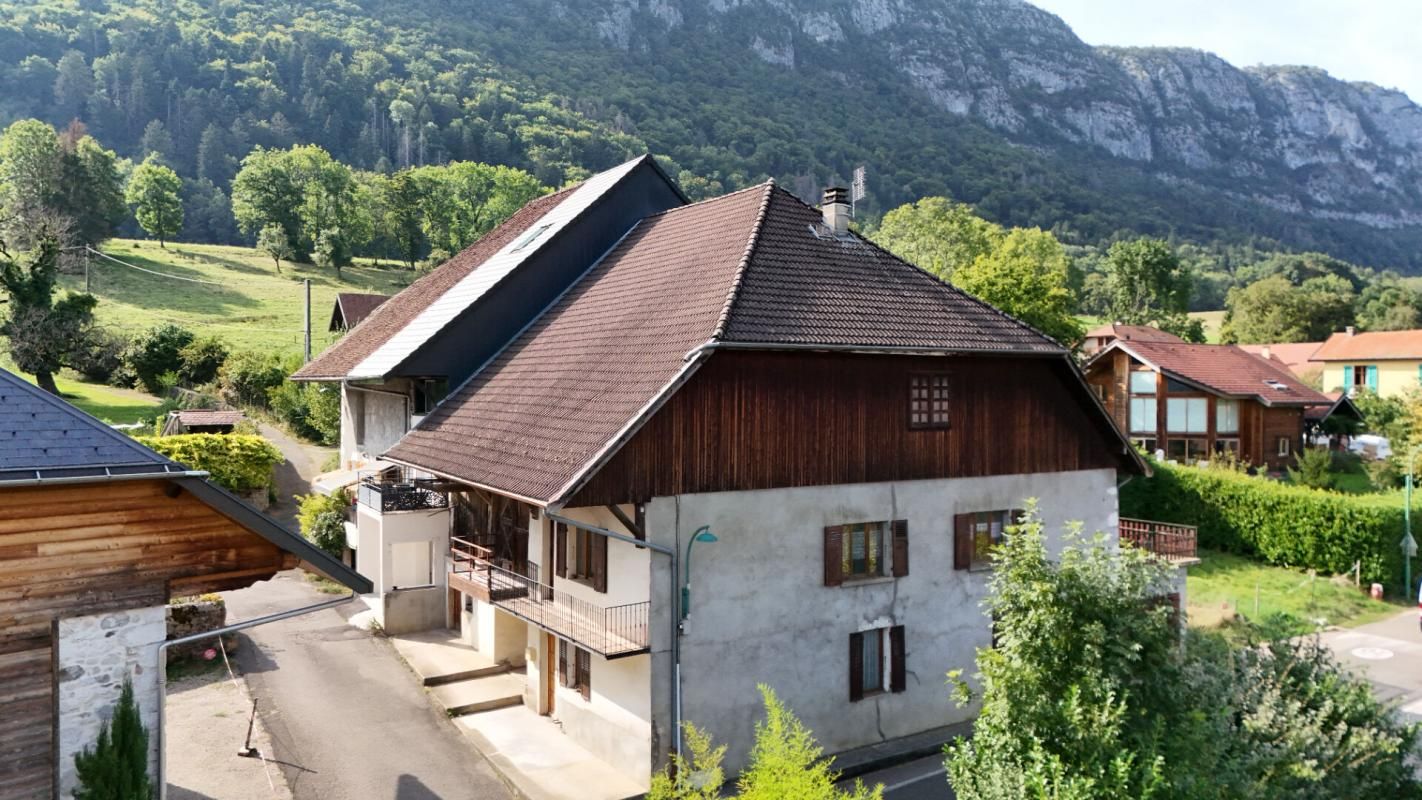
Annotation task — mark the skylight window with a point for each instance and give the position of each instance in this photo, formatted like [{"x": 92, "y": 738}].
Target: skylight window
[
  {"x": 1275, "y": 385},
  {"x": 530, "y": 237}
]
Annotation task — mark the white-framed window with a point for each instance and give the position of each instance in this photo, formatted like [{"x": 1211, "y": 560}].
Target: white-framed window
[
  {"x": 1144, "y": 404},
  {"x": 1142, "y": 382},
  {"x": 1186, "y": 414},
  {"x": 876, "y": 662},
  {"x": 1284, "y": 447},
  {"x": 1226, "y": 416}
]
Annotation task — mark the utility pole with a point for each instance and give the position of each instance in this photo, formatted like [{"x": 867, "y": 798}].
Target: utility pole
[
  {"x": 307, "y": 283},
  {"x": 88, "y": 259}
]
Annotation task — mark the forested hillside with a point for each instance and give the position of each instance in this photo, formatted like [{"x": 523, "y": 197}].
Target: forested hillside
[{"x": 991, "y": 102}]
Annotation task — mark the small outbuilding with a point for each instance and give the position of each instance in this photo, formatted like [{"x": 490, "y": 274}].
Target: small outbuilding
[
  {"x": 202, "y": 420},
  {"x": 353, "y": 307}
]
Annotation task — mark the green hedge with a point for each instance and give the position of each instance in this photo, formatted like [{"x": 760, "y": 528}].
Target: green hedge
[
  {"x": 1278, "y": 522},
  {"x": 241, "y": 463}
]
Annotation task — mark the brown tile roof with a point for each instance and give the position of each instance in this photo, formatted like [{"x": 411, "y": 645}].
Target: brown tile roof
[
  {"x": 1227, "y": 369},
  {"x": 340, "y": 358},
  {"x": 749, "y": 265},
  {"x": 355, "y": 307},
  {"x": 203, "y": 416},
  {"x": 1133, "y": 333},
  {"x": 1297, "y": 357},
  {"x": 1374, "y": 346}
]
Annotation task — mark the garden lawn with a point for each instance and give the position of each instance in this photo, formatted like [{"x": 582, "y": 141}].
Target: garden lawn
[
  {"x": 1224, "y": 585},
  {"x": 251, "y": 307},
  {"x": 112, "y": 405}
]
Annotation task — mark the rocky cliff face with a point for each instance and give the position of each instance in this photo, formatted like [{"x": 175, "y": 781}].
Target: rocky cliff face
[{"x": 1292, "y": 138}]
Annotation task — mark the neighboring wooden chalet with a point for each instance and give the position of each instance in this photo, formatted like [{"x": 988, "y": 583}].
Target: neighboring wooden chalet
[
  {"x": 351, "y": 308},
  {"x": 854, "y": 432},
  {"x": 201, "y": 420},
  {"x": 1193, "y": 400},
  {"x": 97, "y": 533}
]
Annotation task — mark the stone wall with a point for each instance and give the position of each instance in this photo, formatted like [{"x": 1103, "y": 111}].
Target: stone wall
[
  {"x": 96, "y": 653},
  {"x": 196, "y": 616}
]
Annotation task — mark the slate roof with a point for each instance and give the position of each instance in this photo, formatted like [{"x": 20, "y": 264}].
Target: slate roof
[
  {"x": 1372, "y": 346},
  {"x": 754, "y": 266},
  {"x": 353, "y": 307},
  {"x": 1225, "y": 369},
  {"x": 43, "y": 436},
  {"x": 336, "y": 361}
]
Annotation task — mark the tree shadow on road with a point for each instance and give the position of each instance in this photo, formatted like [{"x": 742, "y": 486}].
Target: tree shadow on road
[{"x": 411, "y": 788}]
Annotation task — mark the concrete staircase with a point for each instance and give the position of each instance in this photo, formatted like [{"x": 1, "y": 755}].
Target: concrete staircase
[{"x": 461, "y": 679}]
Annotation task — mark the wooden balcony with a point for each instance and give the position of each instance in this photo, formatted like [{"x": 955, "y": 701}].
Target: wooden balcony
[
  {"x": 612, "y": 631},
  {"x": 1174, "y": 543}
]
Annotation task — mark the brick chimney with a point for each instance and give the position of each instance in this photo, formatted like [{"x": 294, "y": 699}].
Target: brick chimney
[
  {"x": 835, "y": 209},
  {"x": 1264, "y": 351},
  {"x": 1349, "y": 330}
]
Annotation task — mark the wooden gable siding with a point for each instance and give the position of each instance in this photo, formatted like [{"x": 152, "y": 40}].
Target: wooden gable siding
[
  {"x": 763, "y": 420},
  {"x": 85, "y": 549}
]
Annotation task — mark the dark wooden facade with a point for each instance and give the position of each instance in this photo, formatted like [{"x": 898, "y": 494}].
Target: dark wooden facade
[
  {"x": 763, "y": 420},
  {"x": 85, "y": 549},
  {"x": 1260, "y": 426}
]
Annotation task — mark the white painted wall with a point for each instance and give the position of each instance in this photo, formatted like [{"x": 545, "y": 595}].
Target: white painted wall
[
  {"x": 762, "y": 613},
  {"x": 627, "y": 565},
  {"x": 96, "y": 653}
]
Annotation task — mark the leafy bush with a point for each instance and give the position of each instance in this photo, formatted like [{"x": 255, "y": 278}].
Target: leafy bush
[
  {"x": 329, "y": 532},
  {"x": 786, "y": 761},
  {"x": 312, "y": 410},
  {"x": 697, "y": 776},
  {"x": 246, "y": 378},
  {"x": 155, "y": 352},
  {"x": 99, "y": 357},
  {"x": 201, "y": 360},
  {"x": 116, "y": 768},
  {"x": 1282, "y": 523},
  {"x": 1314, "y": 467},
  {"x": 239, "y": 463},
  {"x": 310, "y": 508}
]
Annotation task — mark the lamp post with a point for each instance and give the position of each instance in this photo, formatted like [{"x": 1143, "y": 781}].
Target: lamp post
[{"x": 703, "y": 534}]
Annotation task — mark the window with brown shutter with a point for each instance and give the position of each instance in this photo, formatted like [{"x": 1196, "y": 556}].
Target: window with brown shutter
[
  {"x": 856, "y": 666},
  {"x": 582, "y": 672},
  {"x": 897, "y": 672},
  {"x": 976, "y": 534},
  {"x": 928, "y": 400},
  {"x": 560, "y": 549},
  {"x": 962, "y": 541},
  {"x": 834, "y": 555},
  {"x": 901, "y": 561},
  {"x": 599, "y": 562},
  {"x": 562, "y": 663}
]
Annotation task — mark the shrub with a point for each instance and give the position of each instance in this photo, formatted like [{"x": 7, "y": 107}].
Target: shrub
[
  {"x": 246, "y": 378},
  {"x": 328, "y": 532},
  {"x": 697, "y": 776},
  {"x": 1314, "y": 467},
  {"x": 98, "y": 358},
  {"x": 786, "y": 761},
  {"x": 310, "y": 507},
  {"x": 201, "y": 361},
  {"x": 1281, "y": 523},
  {"x": 312, "y": 410},
  {"x": 239, "y": 463},
  {"x": 155, "y": 352},
  {"x": 117, "y": 766}
]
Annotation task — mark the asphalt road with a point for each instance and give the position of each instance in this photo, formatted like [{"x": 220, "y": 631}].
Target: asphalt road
[
  {"x": 347, "y": 719},
  {"x": 1389, "y": 655},
  {"x": 923, "y": 779}
]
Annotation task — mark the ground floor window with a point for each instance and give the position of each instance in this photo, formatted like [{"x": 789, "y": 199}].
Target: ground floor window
[
  {"x": 575, "y": 668},
  {"x": 1186, "y": 450},
  {"x": 1144, "y": 443},
  {"x": 1230, "y": 446},
  {"x": 1283, "y": 448},
  {"x": 876, "y": 662}
]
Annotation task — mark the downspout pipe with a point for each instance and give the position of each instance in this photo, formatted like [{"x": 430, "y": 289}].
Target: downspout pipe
[
  {"x": 673, "y": 591},
  {"x": 198, "y": 637}
]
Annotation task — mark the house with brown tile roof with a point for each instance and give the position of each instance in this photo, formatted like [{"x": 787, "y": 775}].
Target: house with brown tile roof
[
  {"x": 351, "y": 308},
  {"x": 1098, "y": 338},
  {"x": 1296, "y": 357},
  {"x": 1386, "y": 362},
  {"x": 842, "y": 436},
  {"x": 1189, "y": 401}
]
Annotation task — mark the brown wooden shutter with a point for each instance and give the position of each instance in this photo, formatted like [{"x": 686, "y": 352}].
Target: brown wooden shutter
[
  {"x": 900, "y": 527},
  {"x": 897, "y": 674},
  {"x": 562, "y": 663},
  {"x": 856, "y": 666},
  {"x": 1015, "y": 515},
  {"x": 583, "y": 665},
  {"x": 599, "y": 562},
  {"x": 560, "y": 549},
  {"x": 962, "y": 541},
  {"x": 834, "y": 555}
]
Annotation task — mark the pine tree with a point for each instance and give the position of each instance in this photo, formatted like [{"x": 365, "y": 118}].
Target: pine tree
[{"x": 117, "y": 767}]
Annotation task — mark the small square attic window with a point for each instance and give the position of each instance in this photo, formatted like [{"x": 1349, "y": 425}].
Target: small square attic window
[{"x": 531, "y": 237}]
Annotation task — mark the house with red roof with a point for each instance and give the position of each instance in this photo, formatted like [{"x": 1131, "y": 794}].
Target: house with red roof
[
  {"x": 1386, "y": 362},
  {"x": 1100, "y": 337},
  {"x": 1190, "y": 401},
  {"x": 686, "y": 448}
]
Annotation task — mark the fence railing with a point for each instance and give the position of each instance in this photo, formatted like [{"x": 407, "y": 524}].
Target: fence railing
[
  {"x": 609, "y": 630},
  {"x": 1169, "y": 541},
  {"x": 399, "y": 489}
]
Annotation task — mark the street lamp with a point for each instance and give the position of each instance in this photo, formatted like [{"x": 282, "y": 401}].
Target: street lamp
[{"x": 703, "y": 534}]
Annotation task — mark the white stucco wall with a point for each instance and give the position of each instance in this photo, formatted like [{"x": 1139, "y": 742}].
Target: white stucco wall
[
  {"x": 96, "y": 653},
  {"x": 384, "y": 412},
  {"x": 762, "y": 613}
]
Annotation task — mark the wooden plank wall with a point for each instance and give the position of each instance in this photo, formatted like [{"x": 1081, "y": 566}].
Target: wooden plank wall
[
  {"x": 757, "y": 420},
  {"x": 88, "y": 548}
]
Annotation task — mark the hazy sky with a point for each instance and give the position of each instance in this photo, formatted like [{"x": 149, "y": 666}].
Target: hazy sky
[{"x": 1367, "y": 40}]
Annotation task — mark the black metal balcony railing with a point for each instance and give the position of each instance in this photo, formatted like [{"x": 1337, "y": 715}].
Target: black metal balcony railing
[
  {"x": 400, "y": 489},
  {"x": 1174, "y": 543},
  {"x": 609, "y": 630}
]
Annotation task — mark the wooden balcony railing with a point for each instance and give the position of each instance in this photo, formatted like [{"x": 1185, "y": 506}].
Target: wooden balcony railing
[
  {"x": 1174, "y": 543},
  {"x": 400, "y": 489},
  {"x": 612, "y": 631}
]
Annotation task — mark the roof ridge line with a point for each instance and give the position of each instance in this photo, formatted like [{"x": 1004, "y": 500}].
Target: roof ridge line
[
  {"x": 731, "y": 294},
  {"x": 718, "y": 198}
]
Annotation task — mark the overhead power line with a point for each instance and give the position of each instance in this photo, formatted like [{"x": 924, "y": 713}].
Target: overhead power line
[{"x": 150, "y": 271}]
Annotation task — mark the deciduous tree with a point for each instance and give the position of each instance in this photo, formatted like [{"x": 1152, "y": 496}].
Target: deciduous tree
[
  {"x": 938, "y": 235},
  {"x": 1149, "y": 286},
  {"x": 154, "y": 192},
  {"x": 1025, "y": 274},
  {"x": 43, "y": 331}
]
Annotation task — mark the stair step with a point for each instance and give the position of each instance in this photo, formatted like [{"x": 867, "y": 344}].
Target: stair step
[
  {"x": 480, "y": 694},
  {"x": 465, "y": 675}
]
